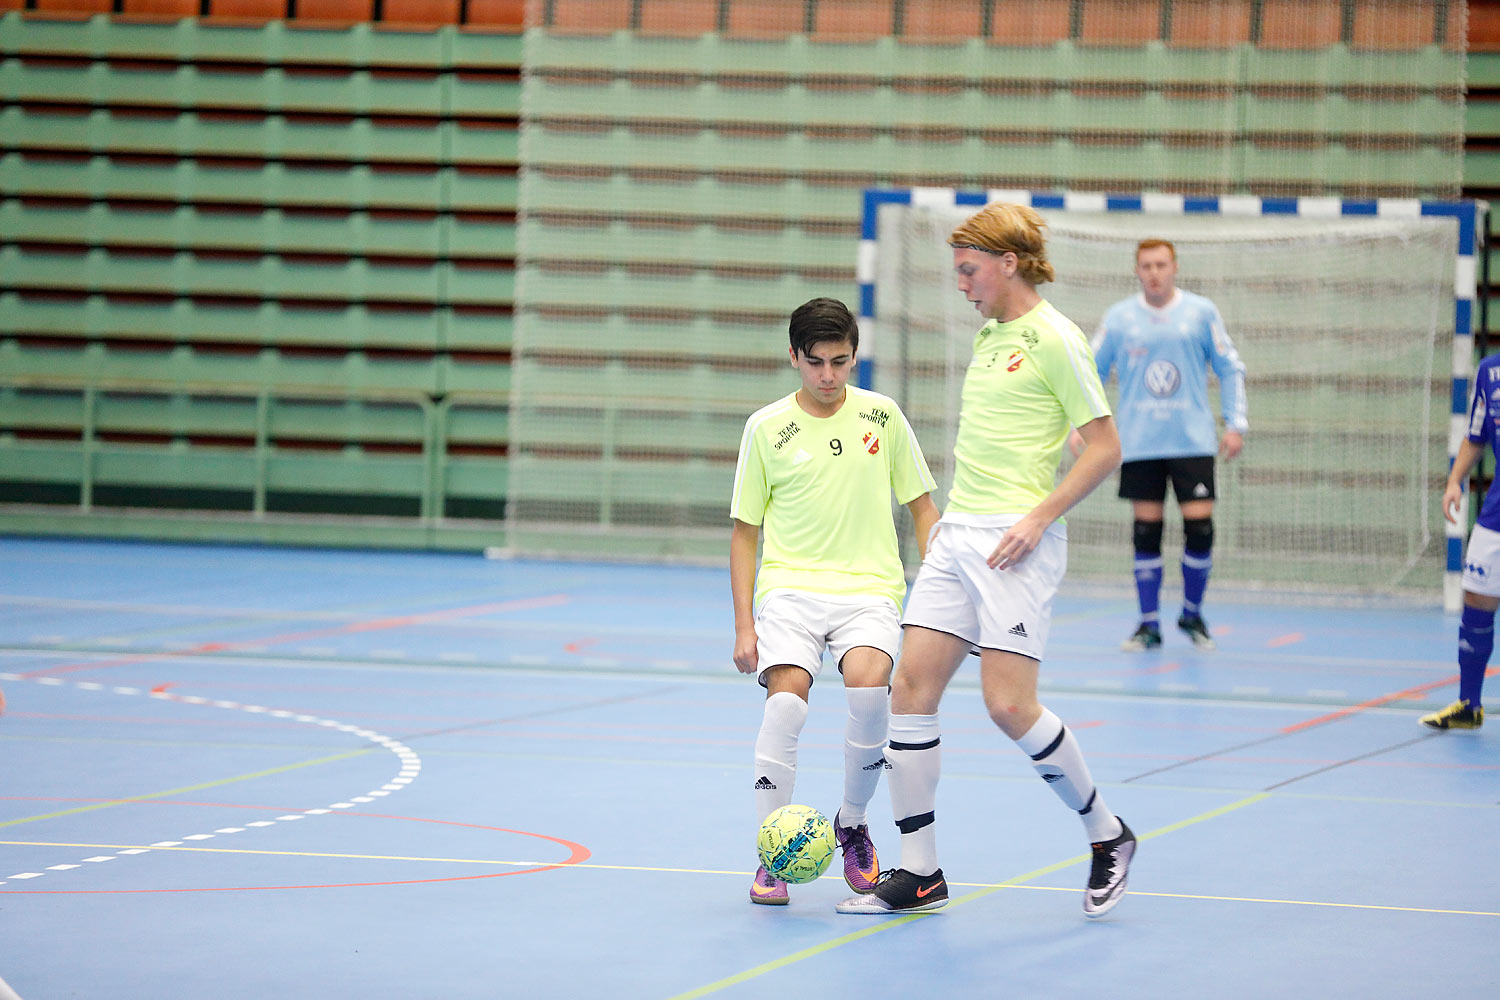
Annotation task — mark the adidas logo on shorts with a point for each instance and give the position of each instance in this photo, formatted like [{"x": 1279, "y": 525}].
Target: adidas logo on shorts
[{"x": 1019, "y": 628}]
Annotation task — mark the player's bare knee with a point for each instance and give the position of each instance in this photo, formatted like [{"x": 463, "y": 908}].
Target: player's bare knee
[
  {"x": 1014, "y": 715},
  {"x": 1484, "y": 602},
  {"x": 914, "y": 695},
  {"x": 791, "y": 679},
  {"x": 865, "y": 666}
]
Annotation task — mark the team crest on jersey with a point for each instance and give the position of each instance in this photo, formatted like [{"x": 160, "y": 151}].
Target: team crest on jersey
[
  {"x": 1162, "y": 379},
  {"x": 872, "y": 443},
  {"x": 1014, "y": 361}
]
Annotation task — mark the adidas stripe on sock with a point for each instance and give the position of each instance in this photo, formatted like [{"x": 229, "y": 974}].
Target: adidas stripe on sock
[{"x": 1056, "y": 756}]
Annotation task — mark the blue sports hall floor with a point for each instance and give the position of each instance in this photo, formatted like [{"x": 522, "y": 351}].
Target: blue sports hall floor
[{"x": 241, "y": 772}]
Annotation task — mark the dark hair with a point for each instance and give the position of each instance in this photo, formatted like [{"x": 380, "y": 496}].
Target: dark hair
[{"x": 819, "y": 320}]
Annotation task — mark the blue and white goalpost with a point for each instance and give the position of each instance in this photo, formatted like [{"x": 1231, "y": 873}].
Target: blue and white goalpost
[{"x": 1340, "y": 309}]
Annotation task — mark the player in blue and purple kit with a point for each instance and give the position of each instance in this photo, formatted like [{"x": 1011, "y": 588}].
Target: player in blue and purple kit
[
  {"x": 1476, "y": 629},
  {"x": 1163, "y": 341}
]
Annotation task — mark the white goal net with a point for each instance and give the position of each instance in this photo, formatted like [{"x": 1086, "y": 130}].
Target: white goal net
[{"x": 1340, "y": 321}]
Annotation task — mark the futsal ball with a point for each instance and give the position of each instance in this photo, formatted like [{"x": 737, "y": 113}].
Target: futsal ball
[{"x": 795, "y": 844}]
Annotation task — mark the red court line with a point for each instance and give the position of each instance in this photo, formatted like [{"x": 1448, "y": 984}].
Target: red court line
[
  {"x": 376, "y": 624},
  {"x": 577, "y": 855},
  {"x": 1382, "y": 700},
  {"x": 159, "y": 721},
  {"x": 1285, "y": 640},
  {"x": 118, "y": 661},
  {"x": 264, "y": 888}
]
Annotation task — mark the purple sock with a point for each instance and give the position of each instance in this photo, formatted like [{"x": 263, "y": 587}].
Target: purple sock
[
  {"x": 1148, "y": 584},
  {"x": 1195, "y": 569},
  {"x": 1476, "y": 639}
]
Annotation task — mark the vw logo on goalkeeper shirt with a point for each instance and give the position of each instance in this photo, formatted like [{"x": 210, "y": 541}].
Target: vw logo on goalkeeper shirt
[{"x": 1162, "y": 378}]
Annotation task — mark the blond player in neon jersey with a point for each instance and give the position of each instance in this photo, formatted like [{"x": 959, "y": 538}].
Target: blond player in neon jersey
[
  {"x": 994, "y": 566},
  {"x": 817, "y": 470}
]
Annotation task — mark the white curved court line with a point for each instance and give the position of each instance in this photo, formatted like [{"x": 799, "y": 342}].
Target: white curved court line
[{"x": 410, "y": 766}]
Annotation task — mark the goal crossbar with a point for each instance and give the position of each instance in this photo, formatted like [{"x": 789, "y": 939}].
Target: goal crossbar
[{"x": 1466, "y": 215}]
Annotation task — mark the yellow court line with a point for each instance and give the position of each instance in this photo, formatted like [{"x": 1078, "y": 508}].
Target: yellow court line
[
  {"x": 798, "y": 956},
  {"x": 1304, "y": 902},
  {"x": 887, "y": 923},
  {"x": 984, "y": 888},
  {"x": 1201, "y": 817},
  {"x": 186, "y": 788}
]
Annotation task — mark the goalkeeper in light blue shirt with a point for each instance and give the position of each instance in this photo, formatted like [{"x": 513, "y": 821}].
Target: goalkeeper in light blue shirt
[{"x": 1163, "y": 341}]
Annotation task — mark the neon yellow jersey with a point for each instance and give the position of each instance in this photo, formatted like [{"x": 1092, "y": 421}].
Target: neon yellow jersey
[
  {"x": 1030, "y": 381},
  {"x": 820, "y": 487}
]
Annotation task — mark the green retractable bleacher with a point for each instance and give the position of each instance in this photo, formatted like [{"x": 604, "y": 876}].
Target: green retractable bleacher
[{"x": 253, "y": 271}]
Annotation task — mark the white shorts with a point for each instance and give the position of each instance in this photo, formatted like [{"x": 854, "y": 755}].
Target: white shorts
[
  {"x": 1008, "y": 609},
  {"x": 1482, "y": 562},
  {"x": 793, "y": 627}
]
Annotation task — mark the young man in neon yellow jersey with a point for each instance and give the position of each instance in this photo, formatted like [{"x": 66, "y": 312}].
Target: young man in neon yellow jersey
[
  {"x": 817, "y": 469},
  {"x": 994, "y": 566}
]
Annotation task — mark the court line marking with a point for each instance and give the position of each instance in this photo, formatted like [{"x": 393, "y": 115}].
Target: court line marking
[
  {"x": 1297, "y": 902},
  {"x": 1306, "y": 724},
  {"x": 366, "y": 625},
  {"x": 360, "y": 857},
  {"x": 1384, "y": 699},
  {"x": 409, "y": 768},
  {"x": 127, "y": 800},
  {"x": 1379, "y": 751},
  {"x": 889, "y": 923},
  {"x": 707, "y": 672},
  {"x": 990, "y": 886}
]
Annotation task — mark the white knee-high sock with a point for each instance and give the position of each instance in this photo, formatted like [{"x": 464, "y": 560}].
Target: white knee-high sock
[
  {"x": 776, "y": 751},
  {"x": 1055, "y": 754},
  {"x": 916, "y": 763},
  {"x": 865, "y": 736}
]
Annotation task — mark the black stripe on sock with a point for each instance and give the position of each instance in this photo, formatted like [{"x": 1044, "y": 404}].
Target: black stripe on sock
[
  {"x": 912, "y": 824},
  {"x": 915, "y": 746},
  {"x": 1051, "y": 746},
  {"x": 1090, "y": 804}
]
